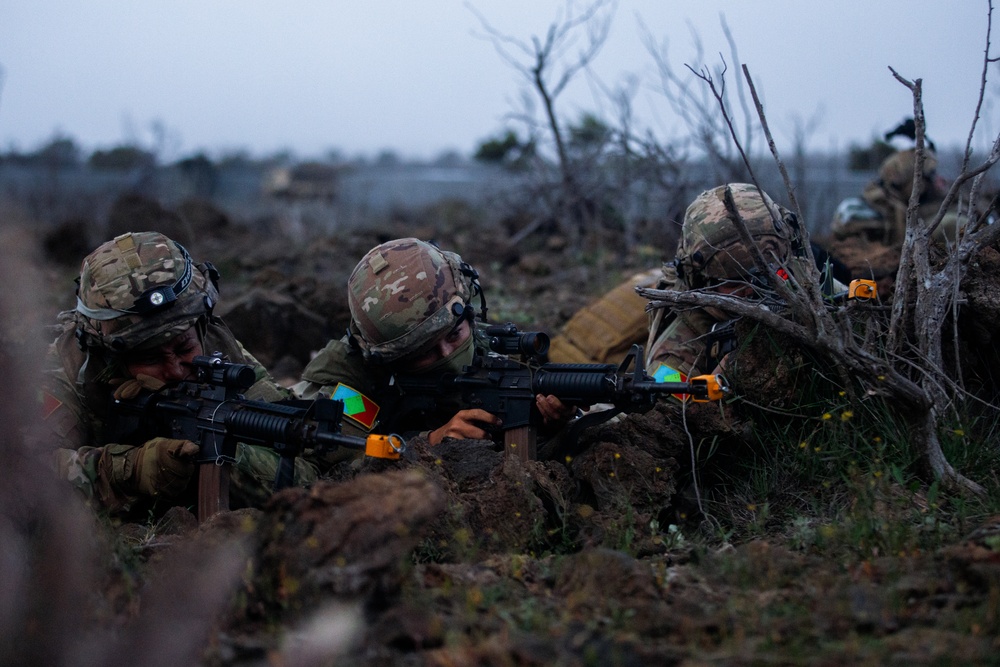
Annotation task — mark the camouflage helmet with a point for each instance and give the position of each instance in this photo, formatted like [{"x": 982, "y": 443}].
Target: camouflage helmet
[
  {"x": 710, "y": 248},
  {"x": 896, "y": 172},
  {"x": 404, "y": 295},
  {"x": 139, "y": 290}
]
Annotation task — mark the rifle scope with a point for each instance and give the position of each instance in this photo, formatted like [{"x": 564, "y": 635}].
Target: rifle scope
[
  {"x": 215, "y": 370},
  {"x": 506, "y": 339}
]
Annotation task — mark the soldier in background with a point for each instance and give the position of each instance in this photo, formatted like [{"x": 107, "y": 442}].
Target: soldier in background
[
  {"x": 711, "y": 256},
  {"x": 880, "y": 213},
  {"x": 144, "y": 311},
  {"x": 411, "y": 312},
  {"x": 888, "y": 196}
]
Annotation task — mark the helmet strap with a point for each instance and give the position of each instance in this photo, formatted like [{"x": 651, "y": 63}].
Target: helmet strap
[
  {"x": 792, "y": 221},
  {"x": 208, "y": 269},
  {"x": 469, "y": 272},
  {"x": 81, "y": 337}
]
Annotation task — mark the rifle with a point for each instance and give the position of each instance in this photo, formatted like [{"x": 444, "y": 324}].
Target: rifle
[
  {"x": 507, "y": 387},
  {"x": 211, "y": 411}
]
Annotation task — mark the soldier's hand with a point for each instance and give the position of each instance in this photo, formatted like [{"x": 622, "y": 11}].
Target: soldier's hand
[
  {"x": 164, "y": 467},
  {"x": 466, "y": 424},
  {"x": 132, "y": 387},
  {"x": 553, "y": 410}
]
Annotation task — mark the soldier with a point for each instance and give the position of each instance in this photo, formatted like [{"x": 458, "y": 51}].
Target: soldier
[
  {"x": 889, "y": 196},
  {"x": 880, "y": 213},
  {"x": 411, "y": 312},
  {"x": 144, "y": 311},
  {"x": 711, "y": 255}
]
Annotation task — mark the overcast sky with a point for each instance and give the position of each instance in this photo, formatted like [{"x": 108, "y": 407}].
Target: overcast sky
[{"x": 417, "y": 76}]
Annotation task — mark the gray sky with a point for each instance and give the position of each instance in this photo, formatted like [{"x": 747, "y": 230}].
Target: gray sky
[{"x": 418, "y": 77}]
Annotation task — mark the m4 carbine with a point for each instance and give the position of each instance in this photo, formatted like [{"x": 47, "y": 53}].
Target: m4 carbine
[
  {"x": 211, "y": 411},
  {"x": 507, "y": 387}
]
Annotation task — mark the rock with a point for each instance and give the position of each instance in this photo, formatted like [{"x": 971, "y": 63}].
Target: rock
[{"x": 348, "y": 539}]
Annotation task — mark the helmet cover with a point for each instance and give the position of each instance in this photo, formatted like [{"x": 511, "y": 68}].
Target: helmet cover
[
  {"x": 711, "y": 249},
  {"x": 896, "y": 171},
  {"x": 139, "y": 290},
  {"x": 404, "y": 295}
]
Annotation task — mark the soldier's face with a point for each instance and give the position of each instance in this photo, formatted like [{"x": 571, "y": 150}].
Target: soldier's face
[
  {"x": 169, "y": 362},
  {"x": 443, "y": 348},
  {"x": 734, "y": 288}
]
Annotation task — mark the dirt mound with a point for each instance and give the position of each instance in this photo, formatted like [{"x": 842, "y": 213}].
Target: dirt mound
[
  {"x": 349, "y": 539},
  {"x": 133, "y": 212},
  {"x": 278, "y": 329}
]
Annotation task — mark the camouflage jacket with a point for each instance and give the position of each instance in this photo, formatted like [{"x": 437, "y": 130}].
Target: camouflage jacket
[
  {"x": 372, "y": 404},
  {"x": 679, "y": 349},
  {"x": 890, "y": 228},
  {"x": 76, "y": 398}
]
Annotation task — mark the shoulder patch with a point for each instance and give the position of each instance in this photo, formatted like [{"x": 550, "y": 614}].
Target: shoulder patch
[
  {"x": 664, "y": 373},
  {"x": 49, "y": 404},
  {"x": 357, "y": 407}
]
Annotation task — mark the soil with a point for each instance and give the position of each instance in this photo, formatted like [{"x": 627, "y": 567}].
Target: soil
[{"x": 458, "y": 555}]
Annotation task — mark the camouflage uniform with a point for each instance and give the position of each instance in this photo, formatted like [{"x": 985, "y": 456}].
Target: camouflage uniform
[
  {"x": 711, "y": 253},
  {"x": 341, "y": 370},
  {"x": 404, "y": 296},
  {"x": 84, "y": 367}
]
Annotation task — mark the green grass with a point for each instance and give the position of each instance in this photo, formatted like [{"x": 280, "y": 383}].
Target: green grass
[{"x": 840, "y": 471}]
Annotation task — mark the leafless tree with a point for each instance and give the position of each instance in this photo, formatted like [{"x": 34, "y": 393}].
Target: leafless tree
[
  {"x": 611, "y": 182},
  {"x": 697, "y": 107},
  {"x": 549, "y": 64}
]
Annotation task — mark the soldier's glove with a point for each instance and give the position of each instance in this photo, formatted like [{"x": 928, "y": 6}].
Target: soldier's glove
[
  {"x": 164, "y": 466},
  {"x": 131, "y": 388}
]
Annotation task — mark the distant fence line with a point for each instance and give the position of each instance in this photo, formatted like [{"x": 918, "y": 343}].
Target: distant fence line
[{"x": 362, "y": 194}]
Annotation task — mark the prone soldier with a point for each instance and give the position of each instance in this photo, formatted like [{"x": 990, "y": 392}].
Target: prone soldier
[
  {"x": 144, "y": 312},
  {"x": 712, "y": 256},
  {"x": 412, "y": 311}
]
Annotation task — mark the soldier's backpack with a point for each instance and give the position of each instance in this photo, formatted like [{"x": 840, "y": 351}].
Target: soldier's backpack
[{"x": 603, "y": 331}]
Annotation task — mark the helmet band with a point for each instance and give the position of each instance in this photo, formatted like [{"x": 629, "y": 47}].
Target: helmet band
[{"x": 150, "y": 301}]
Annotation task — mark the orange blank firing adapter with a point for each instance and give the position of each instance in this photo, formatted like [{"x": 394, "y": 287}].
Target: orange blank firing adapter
[
  {"x": 716, "y": 387},
  {"x": 861, "y": 289},
  {"x": 384, "y": 446}
]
